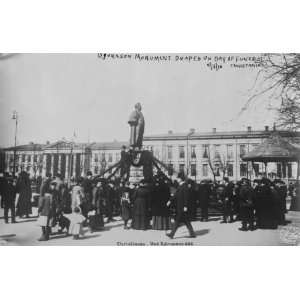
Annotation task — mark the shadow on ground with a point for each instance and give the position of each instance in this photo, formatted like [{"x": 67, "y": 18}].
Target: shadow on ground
[{"x": 197, "y": 232}]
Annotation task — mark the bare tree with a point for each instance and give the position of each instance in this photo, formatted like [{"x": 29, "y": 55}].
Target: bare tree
[
  {"x": 289, "y": 114},
  {"x": 279, "y": 79},
  {"x": 224, "y": 164},
  {"x": 211, "y": 163}
]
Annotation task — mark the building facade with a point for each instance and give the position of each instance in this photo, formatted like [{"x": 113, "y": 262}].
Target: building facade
[
  {"x": 200, "y": 155},
  {"x": 205, "y": 155}
]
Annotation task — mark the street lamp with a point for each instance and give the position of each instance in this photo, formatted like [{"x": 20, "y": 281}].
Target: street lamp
[{"x": 15, "y": 117}]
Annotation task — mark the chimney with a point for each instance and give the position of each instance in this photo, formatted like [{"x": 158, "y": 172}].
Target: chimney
[
  {"x": 249, "y": 128},
  {"x": 214, "y": 130},
  {"x": 47, "y": 143},
  {"x": 192, "y": 130},
  {"x": 170, "y": 132},
  {"x": 266, "y": 128}
]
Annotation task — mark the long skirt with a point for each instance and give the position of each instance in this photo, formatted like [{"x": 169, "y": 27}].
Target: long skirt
[
  {"x": 161, "y": 223},
  {"x": 96, "y": 222},
  {"x": 23, "y": 206},
  {"x": 140, "y": 222}
]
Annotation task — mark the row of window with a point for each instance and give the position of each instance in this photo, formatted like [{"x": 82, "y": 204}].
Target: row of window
[
  {"x": 26, "y": 157},
  {"x": 99, "y": 157},
  {"x": 228, "y": 170},
  {"x": 206, "y": 151}
]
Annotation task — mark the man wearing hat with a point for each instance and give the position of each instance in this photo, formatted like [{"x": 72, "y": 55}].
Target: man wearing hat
[
  {"x": 181, "y": 202},
  {"x": 246, "y": 205}
]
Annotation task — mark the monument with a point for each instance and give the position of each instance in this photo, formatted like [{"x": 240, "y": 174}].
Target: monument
[
  {"x": 136, "y": 163},
  {"x": 137, "y": 127}
]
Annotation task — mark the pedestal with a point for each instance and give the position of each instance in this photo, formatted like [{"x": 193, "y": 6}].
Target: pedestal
[{"x": 136, "y": 174}]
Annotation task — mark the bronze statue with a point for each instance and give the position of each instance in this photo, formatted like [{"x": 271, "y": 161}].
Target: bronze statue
[{"x": 137, "y": 126}]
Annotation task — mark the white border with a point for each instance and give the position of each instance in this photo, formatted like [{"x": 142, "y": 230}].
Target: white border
[{"x": 149, "y": 273}]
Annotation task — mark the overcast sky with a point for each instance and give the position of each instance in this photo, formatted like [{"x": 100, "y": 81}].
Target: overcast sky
[{"x": 57, "y": 94}]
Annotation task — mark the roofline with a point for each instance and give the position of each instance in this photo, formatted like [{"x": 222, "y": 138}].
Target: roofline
[{"x": 220, "y": 135}]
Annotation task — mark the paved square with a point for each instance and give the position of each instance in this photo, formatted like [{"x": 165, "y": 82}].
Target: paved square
[{"x": 26, "y": 232}]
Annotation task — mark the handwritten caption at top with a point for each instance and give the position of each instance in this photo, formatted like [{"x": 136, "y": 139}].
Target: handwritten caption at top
[{"x": 212, "y": 62}]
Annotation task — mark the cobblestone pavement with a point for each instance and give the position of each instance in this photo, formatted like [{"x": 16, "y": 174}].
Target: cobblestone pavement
[{"x": 26, "y": 232}]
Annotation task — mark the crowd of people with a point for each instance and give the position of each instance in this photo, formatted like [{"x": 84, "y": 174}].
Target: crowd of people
[{"x": 93, "y": 202}]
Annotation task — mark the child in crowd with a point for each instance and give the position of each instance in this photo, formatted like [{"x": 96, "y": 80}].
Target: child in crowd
[{"x": 77, "y": 220}]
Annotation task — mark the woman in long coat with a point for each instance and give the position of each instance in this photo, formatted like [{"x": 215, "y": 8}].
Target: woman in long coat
[
  {"x": 141, "y": 207},
  {"x": 95, "y": 218},
  {"x": 160, "y": 211},
  {"x": 23, "y": 189}
]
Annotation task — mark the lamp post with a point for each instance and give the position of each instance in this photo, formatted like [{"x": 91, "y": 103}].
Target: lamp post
[{"x": 15, "y": 117}]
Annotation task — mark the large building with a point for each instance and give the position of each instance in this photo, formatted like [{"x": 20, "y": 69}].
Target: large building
[{"x": 198, "y": 154}]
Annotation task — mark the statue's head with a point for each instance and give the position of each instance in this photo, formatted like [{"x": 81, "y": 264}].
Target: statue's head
[{"x": 138, "y": 106}]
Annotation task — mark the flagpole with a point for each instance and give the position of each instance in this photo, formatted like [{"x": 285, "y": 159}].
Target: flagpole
[{"x": 71, "y": 159}]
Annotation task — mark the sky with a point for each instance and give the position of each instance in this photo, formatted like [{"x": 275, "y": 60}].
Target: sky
[{"x": 56, "y": 95}]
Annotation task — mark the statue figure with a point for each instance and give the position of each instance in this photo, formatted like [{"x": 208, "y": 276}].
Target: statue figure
[{"x": 137, "y": 126}]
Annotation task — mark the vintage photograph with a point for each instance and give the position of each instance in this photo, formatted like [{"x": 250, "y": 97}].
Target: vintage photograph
[{"x": 150, "y": 149}]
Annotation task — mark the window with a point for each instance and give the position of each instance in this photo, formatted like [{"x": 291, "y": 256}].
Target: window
[
  {"x": 103, "y": 156},
  {"x": 217, "y": 169},
  {"x": 205, "y": 151},
  {"x": 290, "y": 173},
  {"x": 110, "y": 157},
  {"x": 279, "y": 171},
  {"x": 117, "y": 156},
  {"x": 34, "y": 158},
  {"x": 170, "y": 152},
  {"x": 242, "y": 150},
  {"x": 229, "y": 152},
  {"x": 193, "y": 170},
  {"x": 29, "y": 158},
  {"x": 193, "y": 151},
  {"x": 181, "y": 168},
  {"x": 181, "y": 151},
  {"x": 156, "y": 153},
  {"x": 96, "y": 170},
  {"x": 205, "y": 170},
  {"x": 150, "y": 148},
  {"x": 96, "y": 157},
  {"x": 28, "y": 168},
  {"x": 243, "y": 170},
  {"x": 217, "y": 151},
  {"x": 23, "y": 157},
  {"x": 256, "y": 169},
  {"x": 284, "y": 171},
  {"x": 170, "y": 169},
  {"x": 230, "y": 170}
]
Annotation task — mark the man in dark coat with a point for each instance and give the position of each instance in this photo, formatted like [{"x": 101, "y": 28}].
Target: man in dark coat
[
  {"x": 24, "y": 194},
  {"x": 204, "y": 195},
  {"x": 228, "y": 201},
  {"x": 87, "y": 187},
  {"x": 282, "y": 191},
  {"x": 246, "y": 206},
  {"x": 192, "y": 199},
  {"x": 265, "y": 205},
  {"x": 181, "y": 203},
  {"x": 8, "y": 195},
  {"x": 46, "y": 210}
]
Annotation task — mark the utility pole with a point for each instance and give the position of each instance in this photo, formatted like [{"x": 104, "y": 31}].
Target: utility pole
[{"x": 15, "y": 117}]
